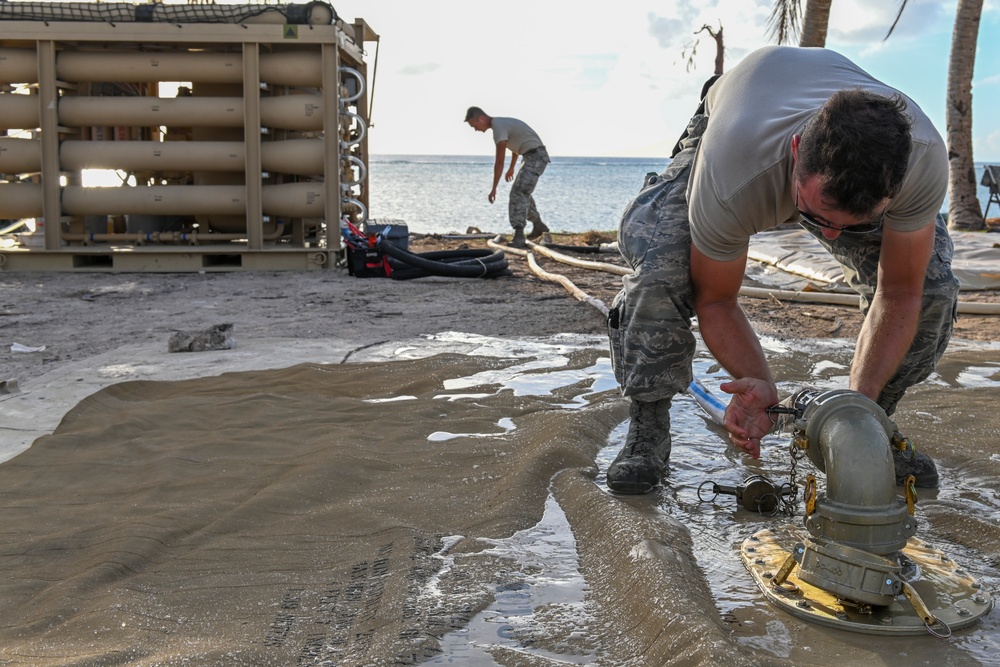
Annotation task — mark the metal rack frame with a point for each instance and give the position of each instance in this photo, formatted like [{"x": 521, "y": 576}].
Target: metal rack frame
[{"x": 337, "y": 44}]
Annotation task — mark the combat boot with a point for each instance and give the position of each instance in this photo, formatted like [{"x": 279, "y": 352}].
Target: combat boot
[
  {"x": 517, "y": 241},
  {"x": 908, "y": 461},
  {"x": 537, "y": 229},
  {"x": 642, "y": 463}
]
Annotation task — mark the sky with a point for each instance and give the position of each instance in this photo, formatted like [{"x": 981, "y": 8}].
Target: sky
[{"x": 614, "y": 79}]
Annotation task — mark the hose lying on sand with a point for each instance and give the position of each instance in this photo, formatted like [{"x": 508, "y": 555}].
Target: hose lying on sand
[
  {"x": 472, "y": 263},
  {"x": 830, "y": 298}
]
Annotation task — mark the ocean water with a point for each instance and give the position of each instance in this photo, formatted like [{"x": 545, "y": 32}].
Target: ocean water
[{"x": 440, "y": 194}]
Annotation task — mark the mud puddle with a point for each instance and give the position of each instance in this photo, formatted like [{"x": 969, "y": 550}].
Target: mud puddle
[{"x": 950, "y": 417}]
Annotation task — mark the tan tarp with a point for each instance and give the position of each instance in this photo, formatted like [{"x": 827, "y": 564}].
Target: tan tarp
[
  {"x": 976, "y": 262},
  {"x": 296, "y": 517}
]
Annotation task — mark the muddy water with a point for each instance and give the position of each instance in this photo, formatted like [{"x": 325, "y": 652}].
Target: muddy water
[
  {"x": 954, "y": 417},
  {"x": 968, "y": 485}
]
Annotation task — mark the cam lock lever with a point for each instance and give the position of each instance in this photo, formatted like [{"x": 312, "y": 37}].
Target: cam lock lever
[{"x": 779, "y": 409}]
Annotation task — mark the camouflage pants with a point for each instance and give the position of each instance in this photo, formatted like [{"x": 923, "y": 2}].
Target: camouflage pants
[
  {"x": 521, "y": 206},
  {"x": 649, "y": 324}
]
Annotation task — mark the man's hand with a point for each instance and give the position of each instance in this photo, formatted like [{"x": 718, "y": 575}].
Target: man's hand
[
  {"x": 746, "y": 418},
  {"x": 493, "y": 195},
  {"x": 509, "y": 176}
]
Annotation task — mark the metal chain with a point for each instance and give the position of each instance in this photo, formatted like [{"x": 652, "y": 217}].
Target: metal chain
[{"x": 790, "y": 501}]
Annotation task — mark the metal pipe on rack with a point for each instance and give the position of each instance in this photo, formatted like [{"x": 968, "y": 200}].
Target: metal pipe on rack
[{"x": 192, "y": 238}]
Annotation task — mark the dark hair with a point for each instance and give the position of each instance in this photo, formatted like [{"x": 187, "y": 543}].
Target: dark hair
[
  {"x": 473, "y": 112},
  {"x": 858, "y": 143}
]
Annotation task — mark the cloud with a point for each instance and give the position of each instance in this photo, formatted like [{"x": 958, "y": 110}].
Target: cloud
[
  {"x": 669, "y": 32},
  {"x": 989, "y": 80},
  {"x": 418, "y": 69},
  {"x": 584, "y": 72},
  {"x": 868, "y": 23},
  {"x": 988, "y": 145}
]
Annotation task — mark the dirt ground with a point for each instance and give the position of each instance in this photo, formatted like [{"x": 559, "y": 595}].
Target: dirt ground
[{"x": 75, "y": 315}]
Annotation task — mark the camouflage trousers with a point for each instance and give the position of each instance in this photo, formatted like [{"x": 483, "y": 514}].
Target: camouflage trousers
[
  {"x": 649, "y": 323},
  {"x": 521, "y": 206}
]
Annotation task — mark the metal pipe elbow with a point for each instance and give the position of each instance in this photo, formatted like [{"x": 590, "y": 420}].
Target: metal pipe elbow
[
  {"x": 854, "y": 443},
  {"x": 849, "y": 439}
]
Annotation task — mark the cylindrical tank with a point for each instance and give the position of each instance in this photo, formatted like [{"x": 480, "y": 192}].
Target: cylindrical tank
[
  {"x": 286, "y": 68},
  {"x": 288, "y": 112}
]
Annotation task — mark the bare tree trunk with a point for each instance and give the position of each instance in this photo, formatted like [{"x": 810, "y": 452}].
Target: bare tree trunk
[
  {"x": 964, "y": 210},
  {"x": 815, "y": 23},
  {"x": 720, "y": 50}
]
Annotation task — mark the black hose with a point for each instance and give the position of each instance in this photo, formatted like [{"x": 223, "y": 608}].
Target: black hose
[
  {"x": 409, "y": 273},
  {"x": 467, "y": 253},
  {"x": 497, "y": 261},
  {"x": 574, "y": 248},
  {"x": 454, "y": 257},
  {"x": 474, "y": 263}
]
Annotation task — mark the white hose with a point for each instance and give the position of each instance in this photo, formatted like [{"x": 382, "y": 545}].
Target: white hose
[
  {"x": 351, "y": 201},
  {"x": 583, "y": 263},
  {"x": 361, "y": 84},
  {"x": 830, "y": 298},
  {"x": 715, "y": 408},
  {"x": 18, "y": 223},
  {"x": 362, "y": 129}
]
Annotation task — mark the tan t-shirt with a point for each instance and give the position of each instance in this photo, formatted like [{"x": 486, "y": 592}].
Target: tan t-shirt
[
  {"x": 741, "y": 180},
  {"x": 520, "y": 138}
]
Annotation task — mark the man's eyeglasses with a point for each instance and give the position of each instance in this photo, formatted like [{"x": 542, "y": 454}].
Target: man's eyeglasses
[{"x": 862, "y": 228}]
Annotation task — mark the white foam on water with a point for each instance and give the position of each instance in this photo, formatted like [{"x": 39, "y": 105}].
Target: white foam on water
[
  {"x": 506, "y": 424},
  {"x": 549, "y": 578}
]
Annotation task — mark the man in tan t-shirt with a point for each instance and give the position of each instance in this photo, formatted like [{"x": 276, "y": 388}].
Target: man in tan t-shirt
[
  {"x": 788, "y": 135},
  {"x": 520, "y": 139}
]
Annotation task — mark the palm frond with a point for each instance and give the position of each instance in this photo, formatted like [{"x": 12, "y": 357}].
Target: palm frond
[
  {"x": 902, "y": 6},
  {"x": 785, "y": 21}
]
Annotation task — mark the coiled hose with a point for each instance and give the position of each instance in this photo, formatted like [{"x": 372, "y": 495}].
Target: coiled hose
[{"x": 471, "y": 263}]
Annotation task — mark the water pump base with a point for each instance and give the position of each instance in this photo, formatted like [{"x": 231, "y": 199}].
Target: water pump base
[{"x": 948, "y": 597}]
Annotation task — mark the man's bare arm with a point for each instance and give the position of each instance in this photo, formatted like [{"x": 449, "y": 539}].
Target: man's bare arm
[
  {"x": 892, "y": 320},
  {"x": 498, "y": 168},
  {"x": 729, "y": 337}
]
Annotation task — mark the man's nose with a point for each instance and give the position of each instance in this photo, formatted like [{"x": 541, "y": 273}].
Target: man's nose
[{"x": 830, "y": 234}]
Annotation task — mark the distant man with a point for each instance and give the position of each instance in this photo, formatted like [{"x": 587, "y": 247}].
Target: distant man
[
  {"x": 788, "y": 135},
  {"x": 514, "y": 134}
]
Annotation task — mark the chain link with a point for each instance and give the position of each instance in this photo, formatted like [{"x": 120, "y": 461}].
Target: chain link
[{"x": 790, "y": 500}]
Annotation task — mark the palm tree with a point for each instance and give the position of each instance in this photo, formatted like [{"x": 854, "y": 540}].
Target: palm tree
[
  {"x": 788, "y": 20},
  {"x": 964, "y": 210},
  {"x": 815, "y": 22}
]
